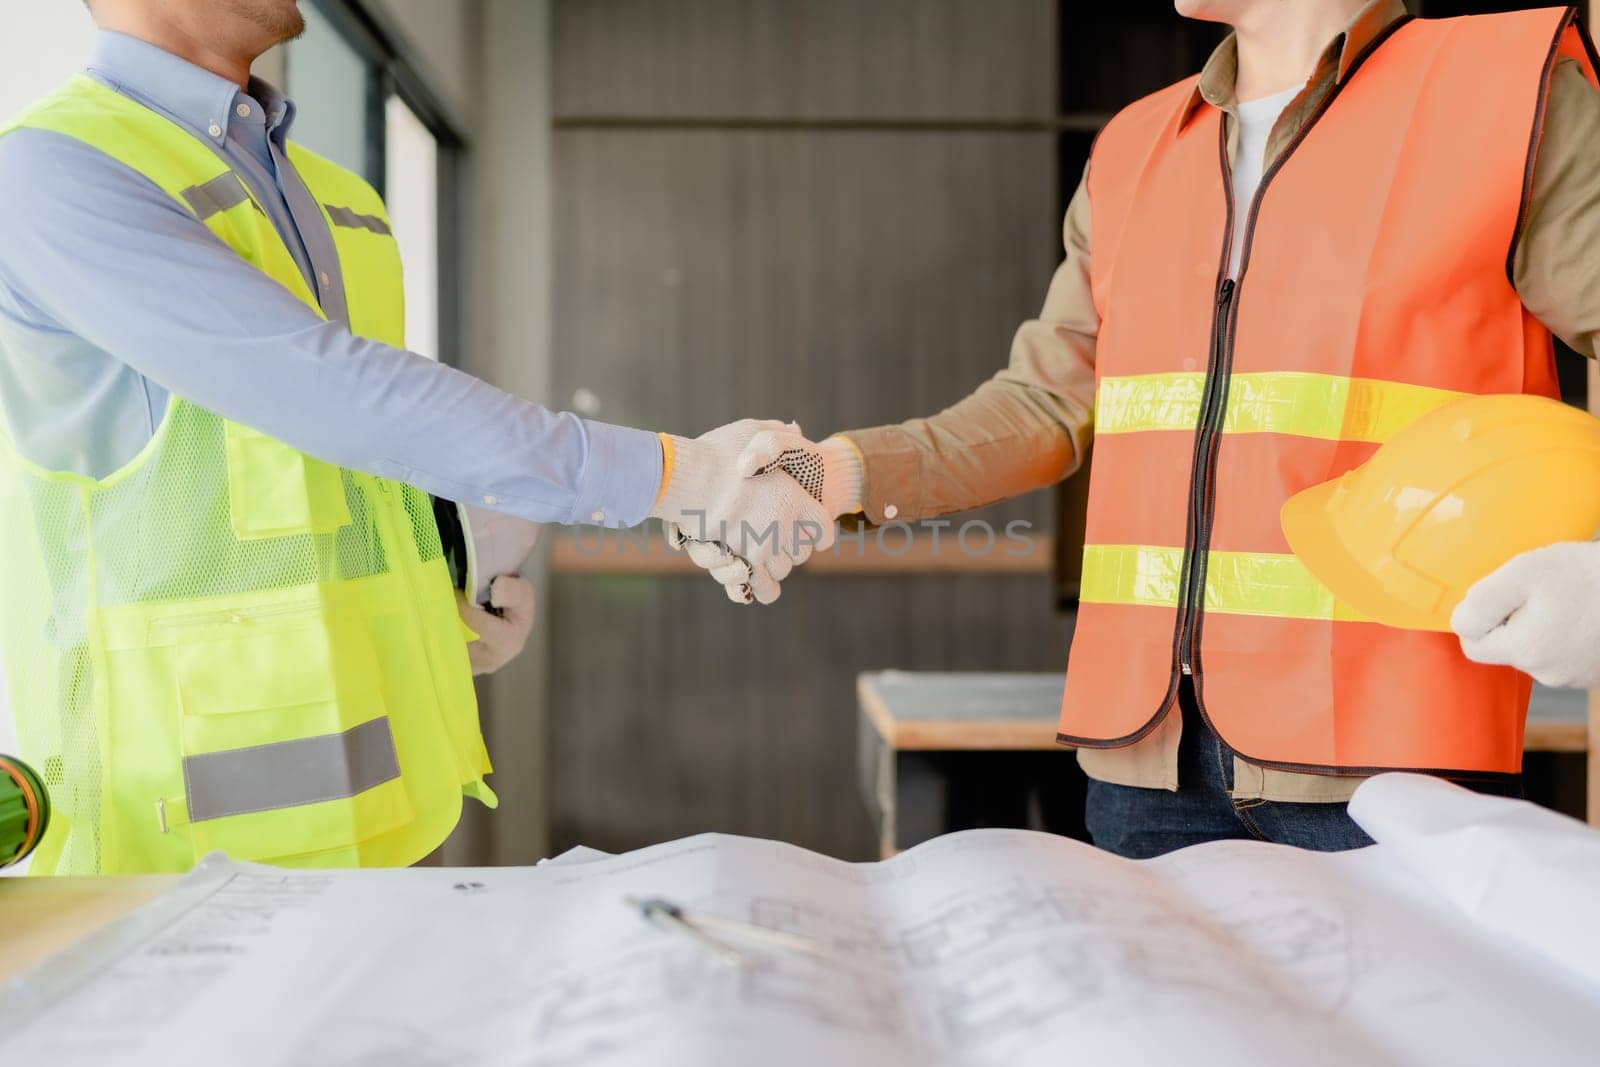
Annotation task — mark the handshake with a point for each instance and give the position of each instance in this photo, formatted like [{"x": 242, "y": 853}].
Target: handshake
[{"x": 752, "y": 500}]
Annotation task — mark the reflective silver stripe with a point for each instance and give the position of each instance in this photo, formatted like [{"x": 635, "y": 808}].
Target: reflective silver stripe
[
  {"x": 217, "y": 195},
  {"x": 354, "y": 220},
  {"x": 290, "y": 773}
]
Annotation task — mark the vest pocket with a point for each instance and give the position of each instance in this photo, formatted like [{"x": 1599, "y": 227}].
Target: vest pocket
[
  {"x": 285, "y": 743},
  {"x": 275, "y": 491},
  {"x": 329, "y": 788}
]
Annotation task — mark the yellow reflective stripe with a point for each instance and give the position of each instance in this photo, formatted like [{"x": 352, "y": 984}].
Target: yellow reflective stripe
[
  {"x": 1131, "y": 574},
  {"x": 1290, "y": 402},
  {"x": 1148, "y": 402},
  {"x": 1237, "y": 583}
]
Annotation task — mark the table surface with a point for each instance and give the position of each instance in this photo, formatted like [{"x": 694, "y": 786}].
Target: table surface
[
  {"x": 40, "y": 916},
  {"x": 948, "y": 711}
]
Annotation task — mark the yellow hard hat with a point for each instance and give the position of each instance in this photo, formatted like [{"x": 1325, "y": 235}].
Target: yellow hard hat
[{"x": 1446, "y": 501}]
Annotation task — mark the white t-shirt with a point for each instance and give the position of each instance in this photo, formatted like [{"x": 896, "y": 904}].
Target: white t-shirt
[{"x": 1256, "y": 120}]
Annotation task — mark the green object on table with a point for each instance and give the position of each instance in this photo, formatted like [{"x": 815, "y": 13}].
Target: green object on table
[{"x": 24, "y": 810}]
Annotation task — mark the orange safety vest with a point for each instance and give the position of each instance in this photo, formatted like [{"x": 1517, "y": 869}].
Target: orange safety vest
[{"x": 1374, "y": 286}]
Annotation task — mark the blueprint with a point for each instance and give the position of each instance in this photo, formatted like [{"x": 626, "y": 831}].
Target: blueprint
[{"x": 986, "y": 947}]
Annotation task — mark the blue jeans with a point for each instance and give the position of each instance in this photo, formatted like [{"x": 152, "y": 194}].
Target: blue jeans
[{"x": 1140, "y": 823}]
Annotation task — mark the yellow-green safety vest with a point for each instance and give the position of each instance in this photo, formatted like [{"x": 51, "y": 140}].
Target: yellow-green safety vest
[{"x": 227, "y": 644}]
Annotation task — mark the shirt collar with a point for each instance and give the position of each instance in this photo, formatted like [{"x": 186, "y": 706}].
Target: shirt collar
[
  {"x": 1215, "y": 85},
  {"x": 279, "y": 109},
  {"x": 192, "y": 95}
]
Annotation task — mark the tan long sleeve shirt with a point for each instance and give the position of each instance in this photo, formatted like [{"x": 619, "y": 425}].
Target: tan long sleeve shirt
[{"x": 1029, "y": 425}]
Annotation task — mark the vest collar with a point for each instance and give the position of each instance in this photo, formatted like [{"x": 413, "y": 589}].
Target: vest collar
[{"x": 1215, "y": 84}]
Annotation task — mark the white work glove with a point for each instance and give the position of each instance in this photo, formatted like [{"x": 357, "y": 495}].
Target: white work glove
[
  {"x": 501, "y": 637},
  {"x": 756, "y": 520},
  {"x": 825, "y": 476},
  {"x": 1540, "y": 613}
]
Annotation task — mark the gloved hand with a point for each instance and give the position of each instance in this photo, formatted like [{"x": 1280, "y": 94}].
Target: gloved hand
[
  {"x": 755, "y": 519},
  {"x": 500, "y": 637},
  {"x": 1540, "y": 613},
  {"x": 825, "y": 476}
]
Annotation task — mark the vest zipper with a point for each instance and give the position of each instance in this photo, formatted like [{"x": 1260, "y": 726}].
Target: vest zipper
[
  {"x": 236, "y": 617},
  {"x": 1213, "y": 404},
  {"x": 1203, "y": 468}
]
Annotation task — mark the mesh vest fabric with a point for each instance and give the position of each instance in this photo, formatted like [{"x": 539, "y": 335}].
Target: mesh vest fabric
[{"x": 228, "y": 644}]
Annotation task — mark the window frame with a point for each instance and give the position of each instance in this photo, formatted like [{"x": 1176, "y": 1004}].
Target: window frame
[{"x": 393, "y": 69}]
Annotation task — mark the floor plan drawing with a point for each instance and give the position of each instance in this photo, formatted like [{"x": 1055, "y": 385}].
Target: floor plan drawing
[{"x": 984, "y": 949}]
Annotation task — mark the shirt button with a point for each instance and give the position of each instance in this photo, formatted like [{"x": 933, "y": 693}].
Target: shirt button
[
  {"x": 490, "y": 499},
  {"x": 890, "y": 511},
  {"x": 327, "y": 282},
  {"x": 243, "y": 111},
  {"x": 214, "y": 130},
  {"x": 597, "y": 516}
]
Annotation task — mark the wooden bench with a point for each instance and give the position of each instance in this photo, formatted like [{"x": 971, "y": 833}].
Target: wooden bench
[{"x": 918, "y": 730}]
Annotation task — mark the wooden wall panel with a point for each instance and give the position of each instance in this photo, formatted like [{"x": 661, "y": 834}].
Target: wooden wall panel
[
  {"x": 944, "y": 59},
  {"x": 678, "y": 712},
  {"x": 836, "y": 279}
]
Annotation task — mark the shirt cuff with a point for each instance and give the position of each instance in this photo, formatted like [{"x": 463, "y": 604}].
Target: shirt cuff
[
  {"x": 891, "y": 474},
  {"x": 858, "y": 473},
  {"x": 621, "y": 476},
  {"x": 669, "y": 452}
]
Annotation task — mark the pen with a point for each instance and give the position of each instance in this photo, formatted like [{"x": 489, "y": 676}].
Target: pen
[{"x": 671, "y": 916}]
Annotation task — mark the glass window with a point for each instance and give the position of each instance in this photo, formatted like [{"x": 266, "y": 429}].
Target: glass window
[
  {"x": 328, "y": 80},
  {"x": 42, "y": 45},
  {"x": 362, "y": 106},
  {"x": 411, "y": 173}
]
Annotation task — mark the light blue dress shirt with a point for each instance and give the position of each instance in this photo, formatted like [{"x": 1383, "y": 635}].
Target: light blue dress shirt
[{"x": 112, "y": 295}]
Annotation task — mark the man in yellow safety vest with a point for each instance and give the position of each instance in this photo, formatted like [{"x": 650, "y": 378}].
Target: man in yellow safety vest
[{"x": 228, "y": 620}]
